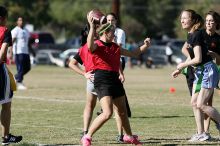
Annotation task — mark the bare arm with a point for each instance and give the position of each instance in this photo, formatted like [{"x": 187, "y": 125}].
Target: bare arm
[
  {"x": 121, "y": 74},
  {"x": 73, "y": 64},
  {"x": 184, "y": 50},
  {"x": 10, "y": 49},
  {"x": 196, "y": 60},
  {"x": 13, "y": 40},
  {"x": 3, "y": 52},
  {"x": 215, "y": 56},
  {"x": 90, "y": 38},
  {"x": 137, "y": 51}
]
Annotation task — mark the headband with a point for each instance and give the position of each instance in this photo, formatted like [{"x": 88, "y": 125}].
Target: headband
[{"x": 105, "y": 28}]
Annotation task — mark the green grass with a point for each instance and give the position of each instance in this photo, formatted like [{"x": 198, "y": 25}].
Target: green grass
[{"x": 50, "y": 111}]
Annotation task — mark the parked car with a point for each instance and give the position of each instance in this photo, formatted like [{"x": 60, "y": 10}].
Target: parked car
[
  {"x": 155, "y": 54},
  {"x": 176, "y": 47},
  {"x": 47, "y": 56},
  {"x": 40, "y": 38},
  {"x": 65, "y": 57},
  {"x": 73, "y": 43}
]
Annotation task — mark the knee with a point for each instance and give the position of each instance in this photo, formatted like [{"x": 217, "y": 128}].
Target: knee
[
  {"x": 201, "y": 106},
  {"x": 90, "y": 105},
  {"x": 193, "y": 104},
  {"x": 107, "y": 115},
  {"x": 122, "y": 114},
  {"x": 6, "y": 106}
]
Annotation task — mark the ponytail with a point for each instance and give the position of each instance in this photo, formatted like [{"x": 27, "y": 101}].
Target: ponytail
[{"x": 198, "y": 23}]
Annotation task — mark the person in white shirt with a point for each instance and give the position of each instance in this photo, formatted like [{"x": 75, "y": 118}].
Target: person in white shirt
[
  {"x": 20, "y": 38},
  {"x": 169, "y": 54},
  {"x": 120, "y": 37},
  {"x": 120, "y": 40}
]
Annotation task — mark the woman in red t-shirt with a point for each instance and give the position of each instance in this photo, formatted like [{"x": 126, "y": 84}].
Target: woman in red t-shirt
[{"x": 107, "y": 83}]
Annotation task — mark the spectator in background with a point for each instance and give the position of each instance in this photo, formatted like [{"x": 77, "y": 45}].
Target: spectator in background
[
  {"x": 120, "y": 40},
  {"x": 169, "y": 54},
  {"x": 130, "y": 48},
  {"x": 20, "y": 38},
  {"x": 6, "y": 79}
]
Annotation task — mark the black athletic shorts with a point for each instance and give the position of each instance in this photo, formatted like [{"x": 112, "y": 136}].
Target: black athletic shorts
[
  {"x": 190, "y": 78},
  {"x": 107, "y": 83}
]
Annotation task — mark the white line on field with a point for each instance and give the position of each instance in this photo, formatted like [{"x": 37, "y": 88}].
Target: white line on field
[
  {"x": 51, "y": 99},
  {"x": 44, "y": 126}
]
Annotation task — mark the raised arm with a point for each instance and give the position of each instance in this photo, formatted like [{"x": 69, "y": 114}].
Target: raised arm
[
  {"x": 90, "y": 38},
  {"x": 138, "y": 51}
]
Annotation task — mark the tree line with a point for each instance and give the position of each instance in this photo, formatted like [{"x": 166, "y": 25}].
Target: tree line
[{"x": 138, "y": 18}]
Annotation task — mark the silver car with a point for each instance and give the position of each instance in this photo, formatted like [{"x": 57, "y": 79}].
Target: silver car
[{"x": 47, "y": 56}]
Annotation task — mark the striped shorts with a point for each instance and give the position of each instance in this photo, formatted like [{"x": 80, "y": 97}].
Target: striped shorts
[{"x": 5, "y": 89}]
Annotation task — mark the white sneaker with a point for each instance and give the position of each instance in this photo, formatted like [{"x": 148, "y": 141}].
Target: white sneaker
[
  {"x": 199, "y": 137},
  {"x": 21, "y": 86}
]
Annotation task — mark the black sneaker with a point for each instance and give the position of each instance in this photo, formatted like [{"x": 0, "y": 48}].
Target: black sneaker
[
  {"x": 119, "y": 138},
  {"x": 11, "y": 139},
  {"x": 98, "y": 113},
  {"x": 218, "y": 126}
]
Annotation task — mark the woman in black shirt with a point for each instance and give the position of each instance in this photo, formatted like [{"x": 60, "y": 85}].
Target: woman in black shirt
[{"x": 205, "y": 73}]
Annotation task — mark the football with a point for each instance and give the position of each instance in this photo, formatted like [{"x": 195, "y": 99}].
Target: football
[{"x": 98, "y": 16}]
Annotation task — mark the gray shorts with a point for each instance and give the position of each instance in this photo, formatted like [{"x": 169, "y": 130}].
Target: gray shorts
[
  {"x": 90, "y": 87},
  {"x": 208, "y": 75}
]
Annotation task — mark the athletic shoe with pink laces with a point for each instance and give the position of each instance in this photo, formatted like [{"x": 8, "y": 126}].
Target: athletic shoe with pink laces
[
  {"x": 132, "y": 140},
  {"x": 86, "y": 140}
]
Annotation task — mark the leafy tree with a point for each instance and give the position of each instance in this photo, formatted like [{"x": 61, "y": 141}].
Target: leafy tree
[
  {"x": 71, "y": 15},
  {"x": 157, "y": 17},
  {"x": 138, "y": 18},
  {"x": 34, "y": 11}
]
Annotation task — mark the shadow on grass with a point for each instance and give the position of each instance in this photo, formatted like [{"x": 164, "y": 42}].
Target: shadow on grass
[
  {"x": 175, "y": 142},
  {"x": 28, "y": 144},
  {"x": 161, "y": 117},
  {"x": 150, "y": 141}
]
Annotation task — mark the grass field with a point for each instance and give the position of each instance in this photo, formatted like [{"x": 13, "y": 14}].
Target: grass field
[{"x": 50, "y": 111}]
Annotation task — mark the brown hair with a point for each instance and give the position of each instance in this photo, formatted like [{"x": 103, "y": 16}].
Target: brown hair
[
  {"x": 197, "y": 20},
  {"x": 3, "y": 12},
  {"x": 216, "y": 18}
]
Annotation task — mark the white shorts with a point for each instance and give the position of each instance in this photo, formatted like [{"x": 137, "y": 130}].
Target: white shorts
[{"x": 90, "y": 87}]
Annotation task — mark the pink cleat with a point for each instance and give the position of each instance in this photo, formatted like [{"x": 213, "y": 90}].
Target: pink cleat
[
  {"x": 132, "y": 140},
  {"x": 86, "y": 140}
]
